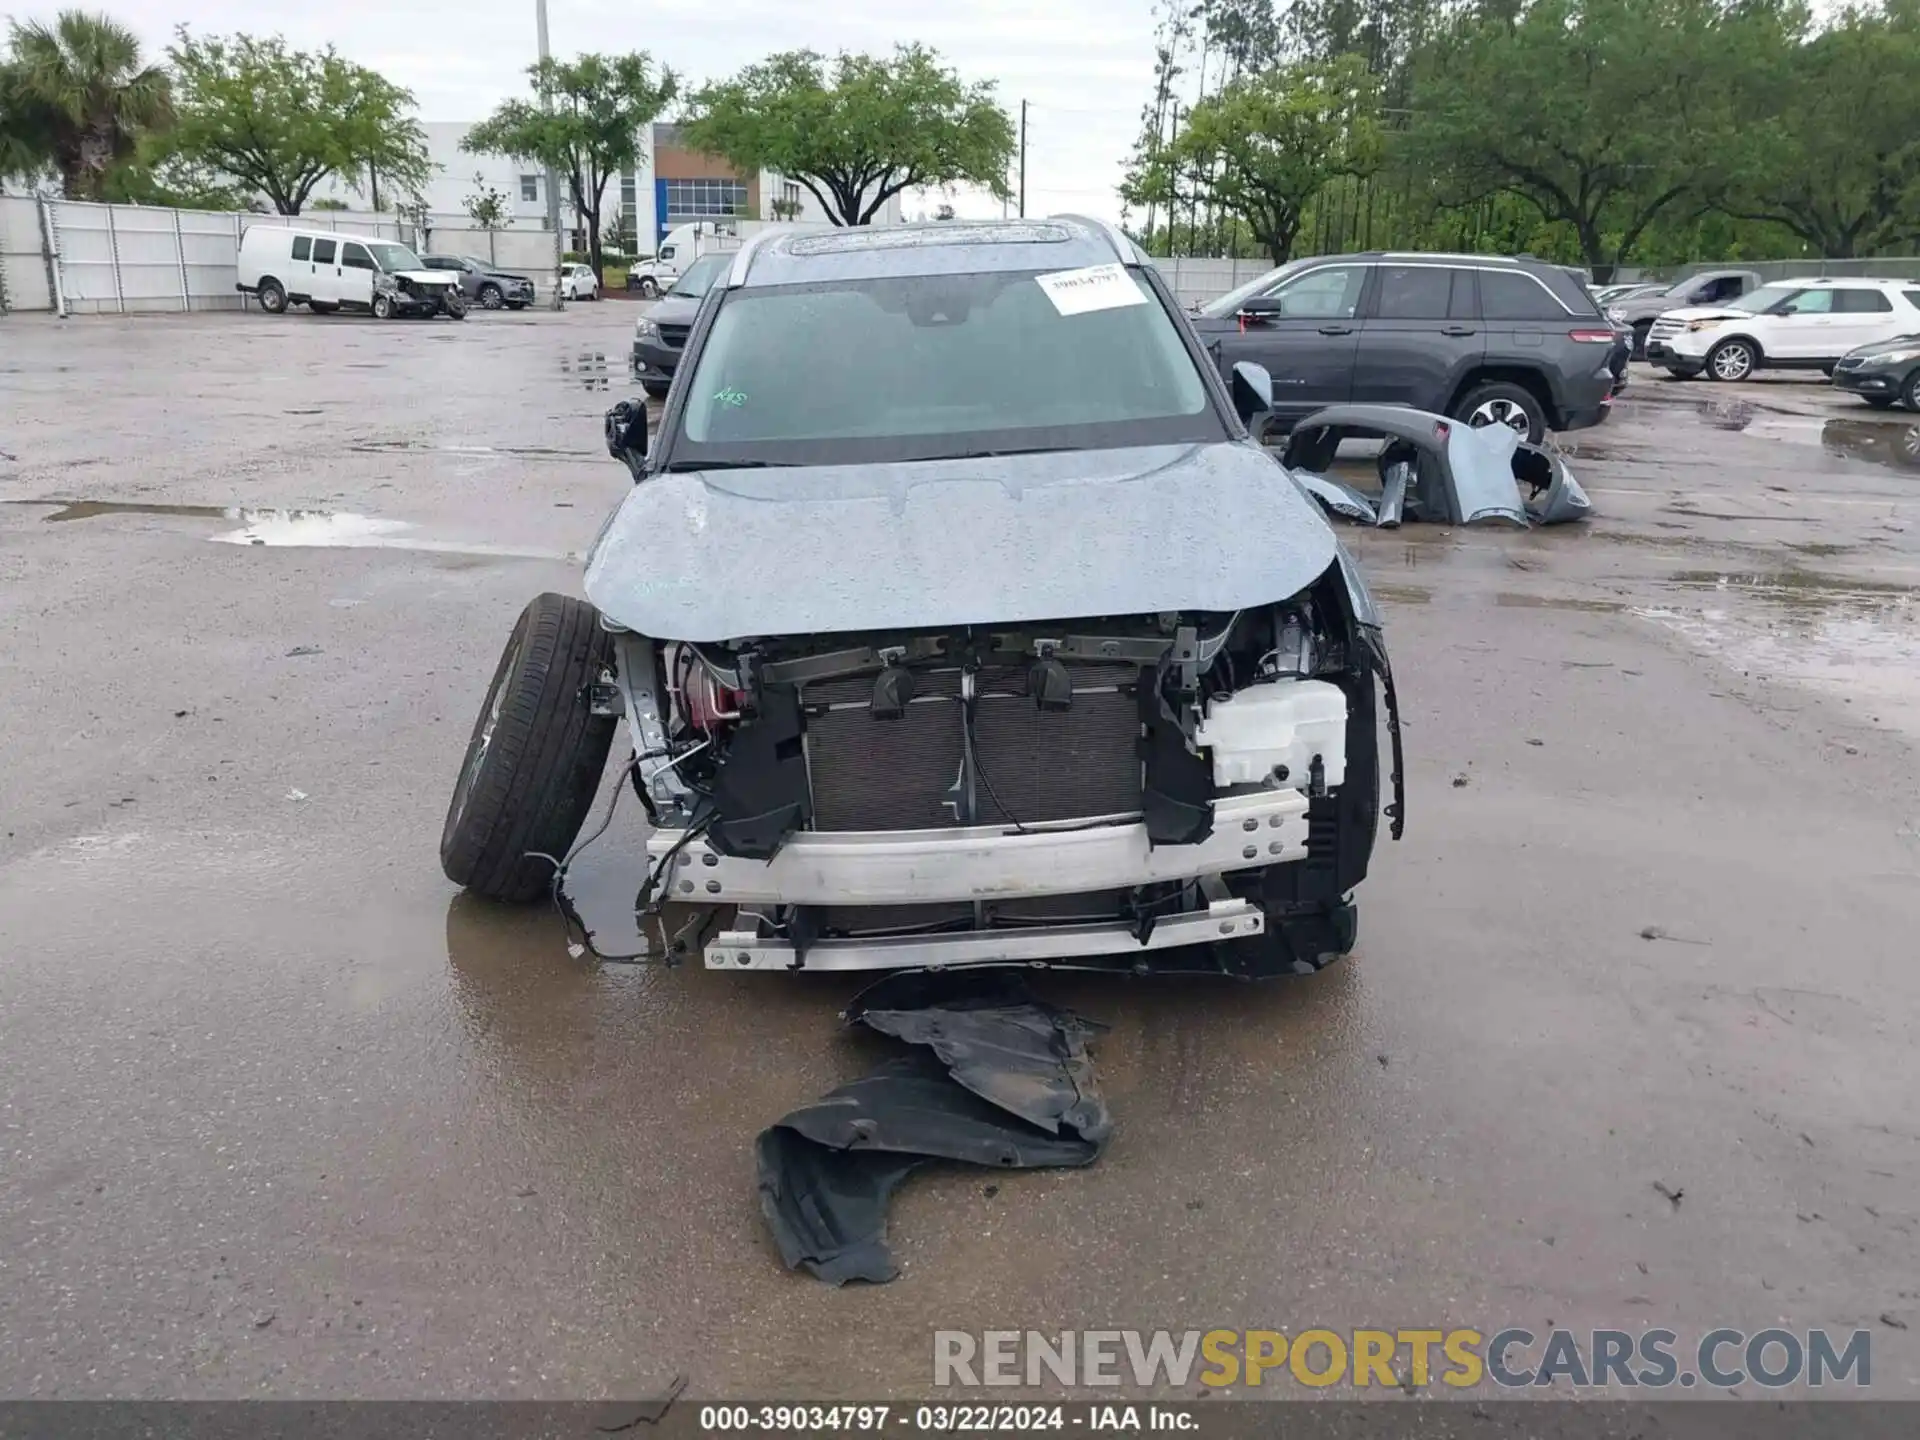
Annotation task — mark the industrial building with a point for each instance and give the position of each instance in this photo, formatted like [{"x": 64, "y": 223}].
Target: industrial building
[{"x": 670, "y": 186}]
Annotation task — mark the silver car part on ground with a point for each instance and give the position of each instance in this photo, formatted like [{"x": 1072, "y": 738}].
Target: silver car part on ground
[{"x": 1458, "y": 475}]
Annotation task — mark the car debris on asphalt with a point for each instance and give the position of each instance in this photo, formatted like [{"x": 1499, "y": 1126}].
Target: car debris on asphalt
[
  {"x": 1434, "y": 469},
  {"x": 1008, "y": 1084}
]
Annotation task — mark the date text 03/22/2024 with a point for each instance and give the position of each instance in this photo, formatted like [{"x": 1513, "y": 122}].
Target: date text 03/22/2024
[{"x": 945, "y": 1419}]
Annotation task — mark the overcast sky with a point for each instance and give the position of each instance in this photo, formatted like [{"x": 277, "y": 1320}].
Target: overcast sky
[{"x": 1084, "y": 66}]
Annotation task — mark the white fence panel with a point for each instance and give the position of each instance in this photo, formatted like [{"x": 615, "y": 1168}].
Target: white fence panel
[
  {"x": 209, "y": 248},
  {"x": 529, "y": 252},
  {"x": 23, "y": 256},
  {"x": 147, "y": 246},
  {"x": 83, "y": 246}
]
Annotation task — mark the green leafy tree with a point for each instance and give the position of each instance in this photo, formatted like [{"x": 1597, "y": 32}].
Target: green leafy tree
[
  {"x": 486, "y": 206},
  {"x": 1264, "y": 147},
  {"x": 1835, "y": 160},
  {"x": 75, "y": 99},
  {"x": 156, "y": 177},
  {"x": 856, "y": 130},
  {"x": 280, "y": 121},
  {"x": 585, "y": 123},
  {"x": 1602, "y": 114}
]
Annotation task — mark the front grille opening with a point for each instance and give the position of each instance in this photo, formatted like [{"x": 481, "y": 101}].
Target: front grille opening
[{"x": 1044, "y": 766}]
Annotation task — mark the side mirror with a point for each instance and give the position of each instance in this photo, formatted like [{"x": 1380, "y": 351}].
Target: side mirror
[
  {"x": 1252, "y": 390},
  {"x": 1259, "y": 309},
  {"x": 627, "y": 434},
  {"x": 1789, "y": 308}
]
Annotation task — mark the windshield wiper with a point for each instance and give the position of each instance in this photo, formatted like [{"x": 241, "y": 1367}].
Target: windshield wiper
[
  {"x": 680, "y": 465},
  {"x": 996, "y": 454}
]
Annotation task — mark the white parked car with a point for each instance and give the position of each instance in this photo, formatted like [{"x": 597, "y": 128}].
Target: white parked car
[
  {"x": 1788, "y": 325},
  {"x": 326, "y": 271},
  {"x": 578, "y": 282}
]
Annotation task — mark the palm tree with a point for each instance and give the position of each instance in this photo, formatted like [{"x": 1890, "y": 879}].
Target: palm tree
[{"x": 80, "y": 98}]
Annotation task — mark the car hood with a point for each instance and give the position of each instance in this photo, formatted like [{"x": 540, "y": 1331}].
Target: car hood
[
  {"x": 674, "y": 310},
  {"x": 1885, "y": 347},
  {"x": 505, "y": 275},
  {"x": 728, "y": 554}
]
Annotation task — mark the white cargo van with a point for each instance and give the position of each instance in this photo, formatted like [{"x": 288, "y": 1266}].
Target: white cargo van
[{"x": 327, "y": 271}]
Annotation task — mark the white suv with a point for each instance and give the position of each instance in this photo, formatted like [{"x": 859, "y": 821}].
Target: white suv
[{"x": 1788, "y": 325}]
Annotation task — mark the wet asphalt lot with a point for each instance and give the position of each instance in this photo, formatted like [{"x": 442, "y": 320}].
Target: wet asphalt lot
[{"x": 281, "y": 1113}]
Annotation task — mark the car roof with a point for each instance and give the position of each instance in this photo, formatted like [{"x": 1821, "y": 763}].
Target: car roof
[
  {"x": 939, "y": 247},
  {"x": 1814, "y": 282}
]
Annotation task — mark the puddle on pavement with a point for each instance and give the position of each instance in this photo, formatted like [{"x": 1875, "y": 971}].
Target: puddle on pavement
[
  {"x": 1515, "y": 600},
  {"x": 1403, "y": 594},
  {"x": 307, "y": 529},
  {"x": 319, "y": 529},
  {"x": 589, "y": 368},
  {"x": 88, "y": 509},
  {"x": 389, "y": 447},
  {"x": 1795, "y": 587},
  {"x": 1854, "y": 639},
  {"x": 1895, "y": 446}
]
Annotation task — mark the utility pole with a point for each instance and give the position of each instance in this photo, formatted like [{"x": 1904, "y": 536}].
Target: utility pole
[
  {"x": 553, "y": 185},
  {"x": 1023, "y": 159}
]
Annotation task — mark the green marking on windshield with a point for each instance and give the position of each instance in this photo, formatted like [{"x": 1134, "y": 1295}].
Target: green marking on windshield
[{"x": 730, "y": 396}]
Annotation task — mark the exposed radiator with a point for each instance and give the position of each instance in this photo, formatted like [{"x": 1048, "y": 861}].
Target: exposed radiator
[{"x": 870, "y": 774}]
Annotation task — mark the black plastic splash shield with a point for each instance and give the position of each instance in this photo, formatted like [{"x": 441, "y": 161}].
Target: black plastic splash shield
[{"x": 1005, "y": 1082}]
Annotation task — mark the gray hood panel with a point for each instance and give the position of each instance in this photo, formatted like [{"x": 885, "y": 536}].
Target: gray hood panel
[{"x": 723, "y": 555}]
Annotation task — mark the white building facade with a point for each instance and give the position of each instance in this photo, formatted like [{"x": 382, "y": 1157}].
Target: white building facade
[{"x": 670, "y": 186}]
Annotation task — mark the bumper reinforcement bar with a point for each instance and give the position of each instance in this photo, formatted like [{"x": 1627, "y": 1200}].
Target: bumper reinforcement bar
[
  {"x": 1222, "y": 920},
  {"x": 984, "y": 862}
]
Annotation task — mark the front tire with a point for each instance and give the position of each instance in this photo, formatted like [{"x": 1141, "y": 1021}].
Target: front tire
[
  {"x": 1641, "y": 330},
  {"x": 1501, "y": 402},
  {"x": 455, "y": 306},
  {"x": 383, "y": 307},
  {"x": 272, "y": 296},
  {"x": 535, "y": 757},
  {"x": 1732, "y": 361},
  {"x": 491, "y": 298},
  {"x": 655, "y": 389},
  {"x": 649, "y": 288},
  {"x": 1910, "y": 392}
]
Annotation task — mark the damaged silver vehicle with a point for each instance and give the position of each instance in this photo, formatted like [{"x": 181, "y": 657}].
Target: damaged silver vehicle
[{"x": 955, "y": 618}]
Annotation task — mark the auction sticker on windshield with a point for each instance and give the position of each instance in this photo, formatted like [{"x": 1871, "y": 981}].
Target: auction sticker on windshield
[{"x": 1098, "y": 287}]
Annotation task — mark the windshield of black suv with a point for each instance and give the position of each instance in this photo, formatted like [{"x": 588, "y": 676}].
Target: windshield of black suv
[
  {"x": 393, "y": 258},
  {"x": 700, "y": 276},
  {"x": 936, "y": 367}
]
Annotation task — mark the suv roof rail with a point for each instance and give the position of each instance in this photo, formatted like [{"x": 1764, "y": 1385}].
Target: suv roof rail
[
  {"x": 1128, "y": 252},
  {"x": 743, "y": 257},
  {"x": 1445, "y": 255}
]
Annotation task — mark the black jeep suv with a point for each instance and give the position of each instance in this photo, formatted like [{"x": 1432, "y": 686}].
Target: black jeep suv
[{"x": 1483, "y": 338}]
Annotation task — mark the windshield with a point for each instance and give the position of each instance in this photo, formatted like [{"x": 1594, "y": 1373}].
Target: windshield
[
  {"x": 1230, "y": 302},
  {"x": 937, "y": 367},
  {"x": 1767, "y": 296},
  {"x": 700, "y": 276},
  {"x": 391, "y": 257}
]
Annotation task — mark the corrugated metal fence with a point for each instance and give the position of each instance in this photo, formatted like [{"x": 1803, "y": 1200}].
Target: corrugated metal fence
[
  {"x": 84, "y": 259},
  {"x": 77, "y": 258}
]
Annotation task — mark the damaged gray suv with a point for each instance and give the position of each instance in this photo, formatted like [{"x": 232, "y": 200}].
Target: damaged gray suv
[{"x": 954, "y": 618}]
